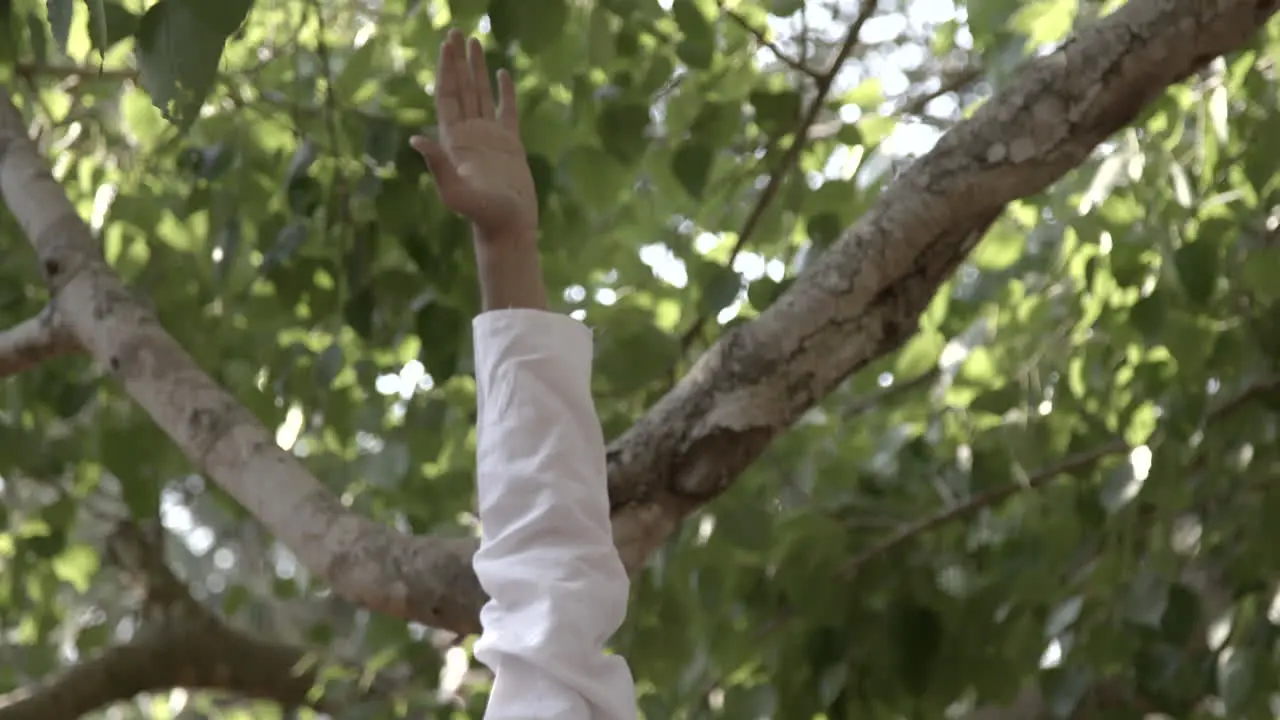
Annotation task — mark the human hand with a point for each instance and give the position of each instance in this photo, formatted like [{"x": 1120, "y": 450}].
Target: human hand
[{"x": 479, "y": 164}]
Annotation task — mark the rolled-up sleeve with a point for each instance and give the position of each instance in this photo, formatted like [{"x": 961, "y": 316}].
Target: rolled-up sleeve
[{"x": 556, "y": 585}]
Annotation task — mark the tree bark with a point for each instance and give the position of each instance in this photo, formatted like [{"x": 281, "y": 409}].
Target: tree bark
[
  {"x": 860, "y": 301},
  {"x": 864, "y": 296}
]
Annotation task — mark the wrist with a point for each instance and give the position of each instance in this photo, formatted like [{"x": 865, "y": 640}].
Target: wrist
[
  {"x": 510, "y": 273},
  {"x": 504, "y": 241}
]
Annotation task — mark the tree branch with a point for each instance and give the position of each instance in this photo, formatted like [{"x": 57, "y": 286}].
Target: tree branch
[
  {"x": 180, "y": 644},
  {"x": 194, "y": 652},
  {"x": 951, "y": 82},
  {"x": 863, "y": 297},
  {"x": 799, "y": 140},
  {"x": 1078, "y": 462},
  {"x": 426, "y": 579},
  {"x": 34, "y": 341},
  {"x": 765, "y": 42}
]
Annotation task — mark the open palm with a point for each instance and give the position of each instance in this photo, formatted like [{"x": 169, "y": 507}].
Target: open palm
[{"x": 479, "y": 164}]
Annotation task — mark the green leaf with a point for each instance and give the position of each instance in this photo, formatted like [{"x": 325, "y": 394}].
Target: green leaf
[
  {"x": 1260, "y": 273},
  {"x": 1065, "y": 688},
  {"x": 633, "y": 352},
  {"x": 1000, "y": 249},
  {"x": 1045, "y": 21},
  {"x": 777, "y": 112},
  {"x": 39, "y": 40},
  {"x": 720, "y": 285},
  {"x": 785, "y": 8},
  {"x": 601, "y": 44},
  {"x": 97, "y": 22},
  {"x": 691, "y": 164},
  {"x": 71, "y": 397},
  {"x": 999, "y": 400},
  {"x": 1148, "y": 315},
  {"x": 291, "y": 237},
  {"x": 1148, "y": 598},
  {"x": 10, "y": 38},
  {"x": 763, "y": 292},
  {"x": 329, "y": 364},
  {"x": 597, "y": 179},
  {"x": 715, "y": 121},
  {"x": 1182, "y": 616},
  {"x": 1063, "y": 616},
  {"x": 1199, "y": 262},
  {"x": 920, "y": 354},
  {"x": 76, "y": 566},
  {"x": 697, "y": 48},
  {"x": 919, "y": 633},
  {"x": 824, "y": 228},
  {"x": 1119, "y": 487},
  {"x": 60, "y": 15},
  {"x": 466, "y": 12},
  {"x": 179, "y": 46},
  {"x": 622, "y": 127},
  {"x": 1237, "y": 680},
  {"x": 850, "y": 134},
  {"x": 440, "y": 328},
  {"x": 535, "y": 24}
]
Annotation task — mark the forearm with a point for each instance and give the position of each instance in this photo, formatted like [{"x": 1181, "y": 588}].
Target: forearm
[
  {"x": 510, "y": 272},
  {"x": 557, "y": 589}
]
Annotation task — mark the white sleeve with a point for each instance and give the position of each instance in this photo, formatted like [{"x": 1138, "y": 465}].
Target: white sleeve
[{"x": 557, "y": 588}]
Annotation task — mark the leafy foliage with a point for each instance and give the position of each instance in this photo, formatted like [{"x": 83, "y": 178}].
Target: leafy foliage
[{"x": 1060, "y": 482}]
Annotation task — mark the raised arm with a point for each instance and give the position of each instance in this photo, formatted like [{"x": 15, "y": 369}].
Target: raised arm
[{"x": 556, "y": 585}]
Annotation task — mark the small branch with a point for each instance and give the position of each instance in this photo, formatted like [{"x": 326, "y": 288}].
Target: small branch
[
  {"x": 34, "y": 341},
  {"x": 952, "y": 82},
  {"x": 31, "y": 71},
  {"x": 770, "y": 191},
  {"x": 1075, "y": 463},
  {"x": 765, "y": 42}
]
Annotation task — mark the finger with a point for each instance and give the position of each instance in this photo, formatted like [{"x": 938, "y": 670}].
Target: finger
[
  {"x": 462, "y": 74},
  {"x": 448, "y": 109},
  {"x": 480, "y": 75},
  {"x": 508, "y": 114}
]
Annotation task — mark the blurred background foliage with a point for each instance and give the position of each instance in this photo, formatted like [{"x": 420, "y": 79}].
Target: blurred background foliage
[{"x": 1062, "y": 482}]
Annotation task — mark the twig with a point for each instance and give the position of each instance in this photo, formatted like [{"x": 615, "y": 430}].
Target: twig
[
  {"x": 1074, "y": 463},
  {"x": 770, "y": 191},
  {"x": 765, "y": 42},
  {"x": 34, "y": 341},
  {"x": 76, "y": 73},
  {"x": 950, "y": 83}
]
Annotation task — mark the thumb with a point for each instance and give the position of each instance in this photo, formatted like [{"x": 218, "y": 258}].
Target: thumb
[{"x": 443, "y": 171}]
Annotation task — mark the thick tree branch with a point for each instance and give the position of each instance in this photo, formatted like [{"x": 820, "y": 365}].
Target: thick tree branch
[
  {"x": 424, "y": 579},
  {"x": 34, "y": 341},
  {"x": 862, "y": 299}
]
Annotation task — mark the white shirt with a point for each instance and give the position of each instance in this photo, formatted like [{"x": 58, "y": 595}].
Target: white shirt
[{"x": 557, "y": 588}]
